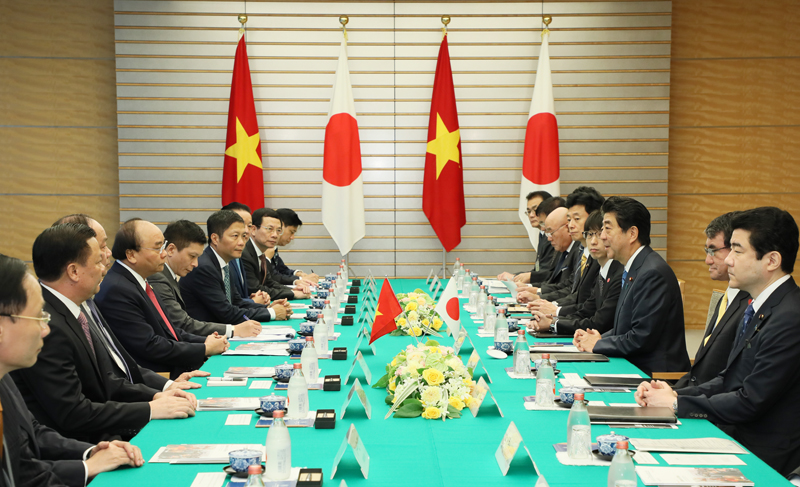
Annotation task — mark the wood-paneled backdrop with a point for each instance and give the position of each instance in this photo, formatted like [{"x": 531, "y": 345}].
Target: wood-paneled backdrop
[
  {"x": 610, "y": 64},
  {"x": 733, "y": 119}
]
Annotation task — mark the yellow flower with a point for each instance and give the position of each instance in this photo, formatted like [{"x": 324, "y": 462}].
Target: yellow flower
[
  {"x": 468, "y": 401},
  {"x": 431, "y": 413},
  {"x": 412, "y": 295},
  {"x": 411, "y": 306},
  {"x": 401, "y": 321},
  {"x": 456, "y": 403},
  {"x": 416, "y": 331},
  {"x": 394, "y": 399},
  {"x": 421, "y": 300},
  {"x": 434, "y": 350},
  {"x": 431, "y": 395},
  {"x": 437, "y": 321},
  {"x": 433, "y": 377},
  {"x": 394, "y": 362},
  {"x": 437, "y": 326},
  {"x": 412, "y": 371},
  {"x": 392, "y": 385}
]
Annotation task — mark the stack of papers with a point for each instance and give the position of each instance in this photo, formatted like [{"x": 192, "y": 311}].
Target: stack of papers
[
  {"x": 226, "y": 381},
  {"x": 261, "y": 372},
  {"x": 271, "y": 333},
  {"x": 259, "y": 348},
  {"x": 689, "y": 445},
  {"x": 692, "y": 476},
  {"x": 306, "y": 422},
  {"x": 202, "y": 453},
  {"x": 228, "y": 404}
]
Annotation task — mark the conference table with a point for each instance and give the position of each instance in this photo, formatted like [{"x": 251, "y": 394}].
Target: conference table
[{"x": 456, "y": 452}]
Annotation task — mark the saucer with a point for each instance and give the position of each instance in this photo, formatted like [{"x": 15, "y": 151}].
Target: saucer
[
  {"x": 233, "y": 473},
  {"x": 267, "y": 414},
  {"x": 496, "y": 353}
]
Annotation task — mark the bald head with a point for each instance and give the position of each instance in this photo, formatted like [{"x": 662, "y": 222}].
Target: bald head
[{"x": 555, "y": 225}]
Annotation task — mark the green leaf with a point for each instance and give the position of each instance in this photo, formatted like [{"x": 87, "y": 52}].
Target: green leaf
[
  {"x": 382, "y": 382},
  {"x": 432, "y": 343},
  {"x": 453, "y": 412},
  {"x": 411, "y": 408},
  {"x": 388, "y": 399},
  {"x": 469, "y": 371},
  {"x": 396, "y": 333}
]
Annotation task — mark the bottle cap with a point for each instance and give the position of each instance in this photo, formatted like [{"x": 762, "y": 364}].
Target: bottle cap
[
  {"x": 254, "y": 469},
  {"x": 327, "y": 301},
  {"x": 467, "y": 270},
  {"x": 298, "y": 365},
  {"x": 521, "y": 332},
  {"x": 475, "y": 279},
  {"x": 622, "y": 445},
  {"x": 482, "y": 286},
  {"x": 578, "y": 396},
  {"x": 501, "y": 311},
  {"x": 278, "y": 414},
  {"x": 546, "y": 355},
  {"x": 309, "y": 339}
]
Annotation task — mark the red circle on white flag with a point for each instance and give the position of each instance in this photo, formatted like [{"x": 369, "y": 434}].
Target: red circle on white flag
[{"x": 452, "y": 308}]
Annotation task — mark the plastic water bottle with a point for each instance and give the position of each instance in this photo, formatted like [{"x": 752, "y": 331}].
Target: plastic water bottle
[
  {"x": 545, "y": 383},
  {"x": 473, "y": 293},
  {"x": 467, "y": 278},
  {"x": 522, "y": 355},
  {"x": 298, "y": 393},
  {"x": 328, "y": 314},
  {"x": 500, "y": 325},
  {"x": 579, "y": 430},
  {"x": 310, "y": 360},
  {"x": 482, "y": 303},
  {"x": 334, "y": 297},
  {"x": 279, "y": 448},
  {"x": 254, "y": 475},
  {"x": 345, "y": 274},
  {"x": 622, "y": 472},
  {"x": 321, "y": 336},
  {"x": 340, "y": 283},
  {"x": 456, "y": 266}
]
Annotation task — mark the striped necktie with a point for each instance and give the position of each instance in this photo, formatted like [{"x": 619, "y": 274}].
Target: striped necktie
[{"x": 226, "y": 277}]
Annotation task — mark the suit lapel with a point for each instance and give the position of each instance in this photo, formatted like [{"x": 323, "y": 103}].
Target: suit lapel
[
  {"x": 173, "y": 284},
  {"x": 74, "y": 326},
  {"x": 733, "y": 308},
  {"x": 148, "y": 302},
  {"x": 629, "y": 282}
]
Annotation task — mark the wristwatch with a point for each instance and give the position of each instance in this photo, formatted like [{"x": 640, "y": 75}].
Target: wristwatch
[
  {"x": 675, "y": 406},
  {"x": 553, "y": 324}
]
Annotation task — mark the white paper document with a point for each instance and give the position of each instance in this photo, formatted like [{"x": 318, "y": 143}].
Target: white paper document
[
  {"x": 209, "y": 479},
  {"x": 238, "y": 420},
  {"x": 532, "y": 406},
  {"x": 692, "y": 476},
  {"x": 228, "y": 404},
  {"x": 200, "y": 453},
  {"x": 701, "y": 459},
  {"x": 259, "y": 348},
  {"x": 261, "y": 384},
  {"x": 250, "y": 372},
  {"x": 688, "y": 445},
  {"x": 226, "y": 382},
  {"x": 550, "y": 349}
]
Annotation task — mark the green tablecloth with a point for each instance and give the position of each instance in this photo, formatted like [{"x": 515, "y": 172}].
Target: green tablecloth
[{"x": 415, "y": 451}]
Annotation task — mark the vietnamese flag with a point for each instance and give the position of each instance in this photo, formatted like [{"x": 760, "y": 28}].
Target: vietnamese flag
[
  {"x": 540, "y": 166},
  {"x": 443, "y": 186},
  {"x": 342, "y": 183},
  {"x": 386, "y": 311},
  {"x": 242, "y": 173}
]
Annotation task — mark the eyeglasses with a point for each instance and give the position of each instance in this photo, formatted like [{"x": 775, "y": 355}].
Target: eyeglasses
[
  {"x": 159, "y": 250},
  {"x": 270, "y": 229},
  {"x": 43, "y": 320},
  {"x": 529, "y": 211},
  {"x": 550, "y": 234},
  {"x": 711, "y": 252},
  {"x": 591, "y": 235}
]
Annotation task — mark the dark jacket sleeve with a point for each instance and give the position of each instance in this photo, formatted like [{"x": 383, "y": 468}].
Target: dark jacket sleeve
[
  {"x": 175, "y": 312},
  {"x": 275, "y": 289},
  {"x": 589, "y": 316}
]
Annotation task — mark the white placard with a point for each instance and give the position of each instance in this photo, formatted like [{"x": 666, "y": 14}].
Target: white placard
[
  {"x": 362, "y": 397},
  {"x": 359, "y": 450},
  {"x": 359, "y": 359},
  {"x": 509, "y": 445},
  {"x": 479, "y": 394}
]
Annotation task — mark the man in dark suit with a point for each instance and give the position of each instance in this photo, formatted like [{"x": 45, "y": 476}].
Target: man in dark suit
[
  {"x": 596, "y": 312},
  {"x": 207, "y": 290},
  {"x": 648, "y": 323},
  {"x": 712, "y": 355},
  {"x": 291, "y": 224},
  {"x": 34, "y": 455},
  {"x": 544, "y": 251},
  {"x": 73, "y": 387},
  {"x": 186, "y": 241},
  {"x": 755, "y": 399},
  {"x": 238, "y": 273},
  {"x": 132, "y": 308},
  {"x": 261, "y": 274}
]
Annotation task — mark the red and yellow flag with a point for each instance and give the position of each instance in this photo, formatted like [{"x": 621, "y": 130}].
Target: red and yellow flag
[
  {"x": 387, "y": 310},
  {"x": 443, "y": 186},
  {"x": 242, "y": 173}
]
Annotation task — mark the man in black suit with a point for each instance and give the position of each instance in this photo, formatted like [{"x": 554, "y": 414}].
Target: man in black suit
[
  {"x": 34, "y": 455},
  {"x": 73, "y": 388},
  {"x": 238, "y": 273},
  {"x": 207, "y": 290},
  {"x": 648, "y": 323},
  {"x": 567, "y": 257},
  {"x": 544, "y": 251},
  {"x": 755, "y": 399},
  {"x": 596, "y": 312},
  {"x": 261, "y": 274},
  {"x": 186, "y": 241},
  {"x": 291, "y": 224},
  {"x": 137, "y": 317},
  {"x": 712, "y": 355}
]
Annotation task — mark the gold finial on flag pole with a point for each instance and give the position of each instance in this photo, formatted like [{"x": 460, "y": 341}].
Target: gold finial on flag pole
[
  {"x": 242, "y": 20},
  {"x": 344, "y": 19},
  {"x": 445, "y": 21},
  {"x": 546, "y": 21}
]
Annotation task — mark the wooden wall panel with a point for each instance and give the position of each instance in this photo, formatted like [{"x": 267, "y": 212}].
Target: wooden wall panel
[
  {"x": 733, "y": 124},
  {"x": 58, "y": 119}
]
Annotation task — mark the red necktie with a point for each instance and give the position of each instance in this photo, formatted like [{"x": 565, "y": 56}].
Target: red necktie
[{"x": 152, "y": 296}]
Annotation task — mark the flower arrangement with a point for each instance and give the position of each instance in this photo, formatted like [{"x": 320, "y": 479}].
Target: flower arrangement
[
  {"x": 419, "y": 317},
  {"x": 427, "y": 380}
]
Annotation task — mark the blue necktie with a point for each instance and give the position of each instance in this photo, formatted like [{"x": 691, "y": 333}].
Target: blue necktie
[
  {"x": 624, "y": 276},
  {"x": 748, "y": 315}
]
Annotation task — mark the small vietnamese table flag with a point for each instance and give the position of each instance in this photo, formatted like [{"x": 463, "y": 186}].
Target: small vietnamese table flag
[
  {"x": 387, "y": 310},
  {"x": 443, "y": 185},
  {"x": 540, "y": 166},
  {"x": 342, "y": 184},
  {"x": 242, "y": 173},
  {"x": 448, "y": 308}
]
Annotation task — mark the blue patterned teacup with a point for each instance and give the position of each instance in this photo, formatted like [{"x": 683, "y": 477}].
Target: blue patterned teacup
[
  {"x": 317, "y": 303},
  {"x": 607, "y": 444},
  {"x": 330, "y": 277},
  {"x": 324, "y": 285},
  {"x": 504, "y": 345},
  {"x": 567, "y": 394},
  {"x": 513, "y": 323},
  {"x": 272, "y": 403},
  {"x": 312, "y": 314},
  {"x": 284, "y": 371},
  {"x": 296, "y": 345},
  {"x": 553, "y": 362},
  {"x": 307, "y": 327},
  {"x": 241, "y": 459},
  {"x": 322, "y": 295}
]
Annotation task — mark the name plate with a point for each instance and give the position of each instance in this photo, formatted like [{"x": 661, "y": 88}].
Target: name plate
[
  {"x": 353, "y": 439},
  {"x": 509, "y": 446},
  {"x": 479, "y": 393},
  {"x": 474, "y": 361},
  {"x": 359, "y": 359}
]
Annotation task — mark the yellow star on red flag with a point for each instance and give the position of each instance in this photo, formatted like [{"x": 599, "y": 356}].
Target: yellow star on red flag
[
  {"x": 244, "y": 150},
  {"x": 444, "y": 146}
]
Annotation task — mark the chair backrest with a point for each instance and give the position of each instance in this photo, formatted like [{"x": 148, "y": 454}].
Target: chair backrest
[{"x": 716, "y": 295}]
